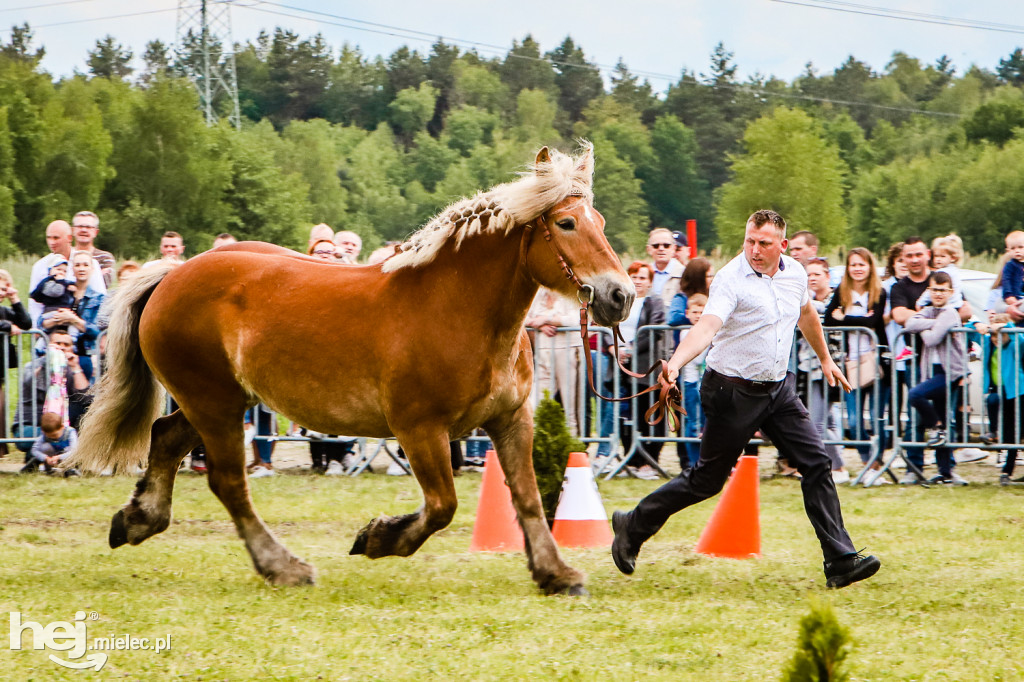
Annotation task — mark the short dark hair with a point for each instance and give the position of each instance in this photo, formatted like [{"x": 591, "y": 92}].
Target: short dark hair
[
  {"x": 765, "y": 215},
  {"x": 940, "y": 277},
  {"x": 808, "y": 237},
  {"x": 914, "y": 240},
  {"x": 171, "y": 235},
  {"x": 51, "y": 421},
  {"x": 223, "y": 235}
]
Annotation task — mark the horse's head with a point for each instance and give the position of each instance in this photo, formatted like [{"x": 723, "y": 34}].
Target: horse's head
[{"x": 574, "y": 230}]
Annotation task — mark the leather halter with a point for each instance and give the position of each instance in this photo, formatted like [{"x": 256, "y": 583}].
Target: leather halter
[{"x": 669, "y": 400}]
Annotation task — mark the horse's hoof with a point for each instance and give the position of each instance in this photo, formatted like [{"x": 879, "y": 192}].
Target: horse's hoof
[
  {"x": 300, "y": 574},
  {"x": 118, "y": 530},
  {"x": 577, "y": 591}
]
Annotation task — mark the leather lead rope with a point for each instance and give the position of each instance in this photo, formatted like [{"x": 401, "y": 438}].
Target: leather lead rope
[{"x": 669, "y": 403}]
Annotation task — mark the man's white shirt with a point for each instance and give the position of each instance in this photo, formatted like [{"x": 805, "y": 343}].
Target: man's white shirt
[{"x": 759, "y": 316}]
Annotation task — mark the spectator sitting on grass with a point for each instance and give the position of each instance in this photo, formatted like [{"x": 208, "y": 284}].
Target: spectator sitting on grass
[{"x": 53, "y": 446}]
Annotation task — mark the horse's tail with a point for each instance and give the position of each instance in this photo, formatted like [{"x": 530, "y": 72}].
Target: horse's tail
[{"x": 115, "y": 431}]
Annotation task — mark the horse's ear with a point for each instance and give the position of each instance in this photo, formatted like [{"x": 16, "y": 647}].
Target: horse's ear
[
  {"x": 543, "y": 156},
  {"x": 585, "y": 166}
]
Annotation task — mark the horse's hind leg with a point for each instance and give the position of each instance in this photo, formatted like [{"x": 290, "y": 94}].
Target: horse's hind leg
[
  {"x": 225, "y": 467},
  {"x": 513, "y": 439},
  {"x": 429, "y": 454},
  {"x": 149, "y": 510}
]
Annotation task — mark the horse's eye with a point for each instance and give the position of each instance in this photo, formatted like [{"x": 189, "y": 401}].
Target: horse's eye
[{"x": 567, "y": 223}]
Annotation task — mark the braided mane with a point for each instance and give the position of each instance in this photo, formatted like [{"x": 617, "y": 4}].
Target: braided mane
[{"x": 502, "y": 207}]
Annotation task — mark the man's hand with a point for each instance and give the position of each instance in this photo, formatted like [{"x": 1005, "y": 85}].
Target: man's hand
[
  {"x": 72, "y": 359},
  {"x": 834, "y": 375},
  {"x": 549, "y": 329}
]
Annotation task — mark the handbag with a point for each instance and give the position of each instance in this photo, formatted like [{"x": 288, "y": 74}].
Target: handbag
[{"x": 862, "y": 371}]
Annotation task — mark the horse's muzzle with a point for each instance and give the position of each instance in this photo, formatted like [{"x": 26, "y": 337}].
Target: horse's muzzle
[{"x": 612, "y": 301}]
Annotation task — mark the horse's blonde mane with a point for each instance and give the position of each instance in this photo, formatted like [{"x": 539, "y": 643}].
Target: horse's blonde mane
[{"x": 502, "y": 207}]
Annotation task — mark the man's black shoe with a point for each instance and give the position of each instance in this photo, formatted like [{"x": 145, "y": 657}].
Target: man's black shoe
[
  {"x": 850, "y": 569},
  {"x": 623, "y": 554}
]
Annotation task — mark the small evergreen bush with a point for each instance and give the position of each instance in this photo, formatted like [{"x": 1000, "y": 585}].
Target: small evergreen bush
[
  {"x": 822, "y": 647},
  {"x": 552, "y": 444}
]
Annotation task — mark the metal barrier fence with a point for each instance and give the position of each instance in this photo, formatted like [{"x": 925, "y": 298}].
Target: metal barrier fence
[
  {"x": 956, "y": 398},
  {"x": 873, "y": 419},
  {"x": 840, "y": 428},
  {"x": 18, "y": 410}
]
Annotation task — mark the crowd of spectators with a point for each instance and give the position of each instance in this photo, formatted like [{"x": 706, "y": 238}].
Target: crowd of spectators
[{"x": 896, "y": 328}]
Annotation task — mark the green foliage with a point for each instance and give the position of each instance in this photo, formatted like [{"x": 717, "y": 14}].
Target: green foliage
[
  {"x": 788, "y": 166},
  {"x": 552, "y": 444},
  {"x": 137, "y": 152},
  {"x": 411, "y": 109},
  {"x": 110, "y": 59},
  {"x": 618, "y": 195},
  {"x": 822, "y": 647},
  {"x": 997, "y": 119}
]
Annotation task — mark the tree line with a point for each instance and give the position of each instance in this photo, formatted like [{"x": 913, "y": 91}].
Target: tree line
[{"x": 378, "y": 145}]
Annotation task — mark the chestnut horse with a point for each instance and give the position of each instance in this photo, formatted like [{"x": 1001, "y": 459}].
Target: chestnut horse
[{"x": 424, "y": 347}]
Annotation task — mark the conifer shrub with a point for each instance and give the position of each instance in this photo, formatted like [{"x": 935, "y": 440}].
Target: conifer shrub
[
  {"x": 552, "y": 444},
  {"x": 822, "y": 647}
]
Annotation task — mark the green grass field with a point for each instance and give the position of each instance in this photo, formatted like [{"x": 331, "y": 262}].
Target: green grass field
[{"x": 947, "y": 604}]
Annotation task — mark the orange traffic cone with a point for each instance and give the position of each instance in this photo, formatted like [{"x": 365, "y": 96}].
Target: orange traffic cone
[
  {"x": 580, "y": 519},
  {"x": 496, "y": 528},
  {"x": 734, "y": 530}
]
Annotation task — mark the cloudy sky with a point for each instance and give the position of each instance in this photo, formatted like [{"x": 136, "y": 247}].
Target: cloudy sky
[{"x": 658, "y": 38}]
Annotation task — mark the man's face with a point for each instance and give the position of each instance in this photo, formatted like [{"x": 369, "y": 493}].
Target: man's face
[
  {"x": 58, "y": 238},
  {"x": 661, "y": 248},
  {"x": 916, "y": 257},
  {"x": 171, "y": 247},
  {"x": 763, "y": 248},
  {"x": 800, "y": 251},
  {"x": 85, "y": 235},
  {"x": 348, "y": 246}
]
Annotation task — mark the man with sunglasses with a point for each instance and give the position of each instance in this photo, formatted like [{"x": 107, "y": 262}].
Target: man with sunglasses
[{"x": 661, "y": 247}]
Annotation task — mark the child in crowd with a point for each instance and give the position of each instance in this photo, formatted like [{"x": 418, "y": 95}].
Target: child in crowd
[
  {"x": 692, "y": 373},
  {"x": 1013, "y": 271},
  {"x": 1004, "y": 378},
  {"x": 943, "y": 361},
  {"x": 947, "y": 256},
  {"x": 54, "y": 291},
  {"x": 53, "y": 446}
]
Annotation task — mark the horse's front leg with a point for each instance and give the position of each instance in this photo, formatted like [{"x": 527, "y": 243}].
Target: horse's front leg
[
  {"x": 513, "y": 439},
  {"x": 429, "y": 454}
]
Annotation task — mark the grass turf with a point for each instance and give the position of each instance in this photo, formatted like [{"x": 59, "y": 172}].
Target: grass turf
[{"x": 946, "y": 605}]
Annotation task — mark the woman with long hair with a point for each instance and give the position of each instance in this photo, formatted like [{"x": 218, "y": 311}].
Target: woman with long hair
[
  {"x": 859, "y": 301},
  {"x": 81, "y": 319}
]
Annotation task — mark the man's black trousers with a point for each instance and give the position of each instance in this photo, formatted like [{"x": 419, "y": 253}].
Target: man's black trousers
[{"x": 734, "y": 414}]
